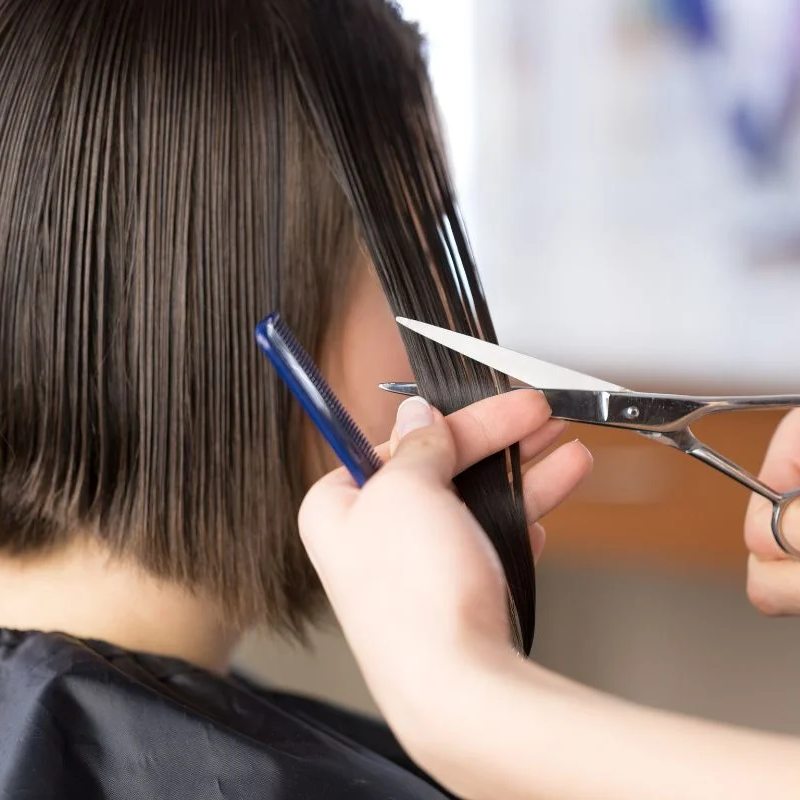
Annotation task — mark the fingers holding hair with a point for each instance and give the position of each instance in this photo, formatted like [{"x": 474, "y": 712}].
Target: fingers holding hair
[
  {"x": 423, "y": 441},
  {"x": 436, "y": 449},
  {"x": 534, "y": 444},
  {"x": 549, "y": 482},
  {"x": 427, "y": 448},
  {"x": 469, "y": 435},
  {"x": 493, "y": 424}
]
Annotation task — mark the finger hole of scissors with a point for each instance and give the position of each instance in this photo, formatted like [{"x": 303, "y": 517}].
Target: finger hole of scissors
[{"x": 779, "y": 512}]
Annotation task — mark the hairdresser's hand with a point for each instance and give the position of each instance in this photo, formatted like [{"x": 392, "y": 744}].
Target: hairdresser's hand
[
  {"x": 420, "y": 595},
  {"x": 407, "y": 542},
  {"x": 773, "y": 578},
  {"x": 413, "y": 579}
]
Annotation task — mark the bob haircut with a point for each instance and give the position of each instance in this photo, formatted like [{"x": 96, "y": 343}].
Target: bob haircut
[{"x": 169, "y": 172}]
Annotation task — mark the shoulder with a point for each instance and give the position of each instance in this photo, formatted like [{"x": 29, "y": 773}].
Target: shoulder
[{"x": 94, "y": 718}]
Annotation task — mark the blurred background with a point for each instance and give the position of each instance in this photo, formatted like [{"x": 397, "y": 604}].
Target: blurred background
[{"x": 630, "y": 174}]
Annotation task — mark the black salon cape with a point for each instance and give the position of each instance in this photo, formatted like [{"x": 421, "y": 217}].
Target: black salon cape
[{"x": 87, "y": 720}]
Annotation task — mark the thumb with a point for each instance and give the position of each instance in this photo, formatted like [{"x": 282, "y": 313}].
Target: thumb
[{"x": 422, "y": 443}]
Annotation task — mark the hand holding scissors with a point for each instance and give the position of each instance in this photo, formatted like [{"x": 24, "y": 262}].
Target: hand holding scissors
[
  {"x": 422, "y": 600},
  {"x": 662, "y": 418}
]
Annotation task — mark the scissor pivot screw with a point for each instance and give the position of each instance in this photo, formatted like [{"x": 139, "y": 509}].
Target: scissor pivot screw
[{"x": 631, "y": 412}]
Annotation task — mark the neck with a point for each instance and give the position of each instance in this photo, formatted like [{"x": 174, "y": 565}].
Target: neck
[{"x": 84, "y": 592}]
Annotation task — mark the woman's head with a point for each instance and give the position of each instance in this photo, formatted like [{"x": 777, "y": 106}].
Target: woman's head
[{"x": 169, "y": 172}]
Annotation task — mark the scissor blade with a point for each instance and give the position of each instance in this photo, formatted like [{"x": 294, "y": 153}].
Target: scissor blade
[{"x": 532, "y": 371}]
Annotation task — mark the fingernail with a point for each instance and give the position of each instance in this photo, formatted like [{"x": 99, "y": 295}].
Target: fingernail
[{"x": 413, "y": 414}]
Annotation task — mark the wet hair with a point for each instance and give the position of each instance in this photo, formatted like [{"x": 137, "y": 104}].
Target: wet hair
[{"x": 169, "y": 172}]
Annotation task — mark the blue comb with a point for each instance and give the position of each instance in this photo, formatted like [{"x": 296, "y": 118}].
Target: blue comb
[{"x": 299, "y": 372}]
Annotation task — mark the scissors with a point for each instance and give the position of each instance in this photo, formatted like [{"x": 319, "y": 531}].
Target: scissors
[{"x": 663, "y": 418}]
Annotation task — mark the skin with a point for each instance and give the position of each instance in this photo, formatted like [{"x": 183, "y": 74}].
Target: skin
[
  {"x": 773, "y": 579},
  {"x": 421, "y": 600},
  {"x": 362, "y": 349},
  {"x": 81, "y": 590}
]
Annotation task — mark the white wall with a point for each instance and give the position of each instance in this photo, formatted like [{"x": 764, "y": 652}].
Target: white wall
[{"x": 615, "y": 228}]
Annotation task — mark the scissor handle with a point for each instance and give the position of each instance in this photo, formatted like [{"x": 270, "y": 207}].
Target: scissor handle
[
  {"x": 755, "y": 402},
  {"x": 686, "y": 441},
  {"x": 778, "y": 513}
]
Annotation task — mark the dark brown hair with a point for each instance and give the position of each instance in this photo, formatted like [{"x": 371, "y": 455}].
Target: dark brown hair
[{"x": 169, "y": 172}]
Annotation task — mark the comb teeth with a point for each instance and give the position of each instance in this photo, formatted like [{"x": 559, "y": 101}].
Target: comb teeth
[
  {"x": 333, "y": 402},
  {"x": 356, "y": 438}
]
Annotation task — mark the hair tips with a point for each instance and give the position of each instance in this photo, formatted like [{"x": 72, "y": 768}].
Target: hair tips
[
  {"x": 170, "y": 170},
  {"x": 366, "y": 87}
]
